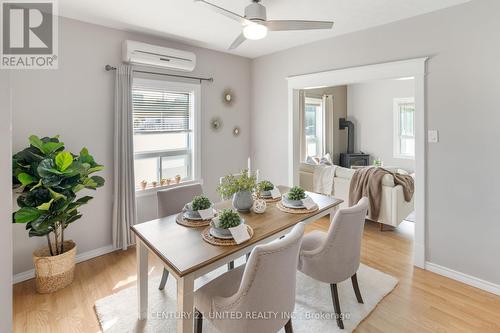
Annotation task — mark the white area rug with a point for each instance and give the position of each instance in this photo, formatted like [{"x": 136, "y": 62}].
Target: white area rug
[{"x": 313, "y": 309}]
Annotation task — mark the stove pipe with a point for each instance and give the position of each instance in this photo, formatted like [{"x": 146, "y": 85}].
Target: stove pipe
[{"x": 343, "y": 123}]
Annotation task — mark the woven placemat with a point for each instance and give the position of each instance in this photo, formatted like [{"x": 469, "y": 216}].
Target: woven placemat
[
  {"x": 295, "y": 210},
  {"x": 180, "y": 219},
  {"x": 207, "y": 237}
]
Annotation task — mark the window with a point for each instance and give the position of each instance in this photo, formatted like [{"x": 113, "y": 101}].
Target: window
[
  {"x": 313, "y": 127},
  {"x": 404, "y": 128},
  {"x": 165, "y": 137}
]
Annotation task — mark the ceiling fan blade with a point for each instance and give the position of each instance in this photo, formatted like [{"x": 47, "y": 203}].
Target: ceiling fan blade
[
  {"x": 225, "y": 12},
  {"x": 283, "y": 25},
  {"x": 237, "y": 42}
]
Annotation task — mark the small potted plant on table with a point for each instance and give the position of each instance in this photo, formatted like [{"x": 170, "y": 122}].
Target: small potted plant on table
[
  {"x": 240, "y": 188},
  {"x": 294, "y": 196},
  {"x": 227, "y": 218},
  {"x": 199, "y": 202},
  {"x": 48, "y": 179},
  {"x": 265, "y": 187}
]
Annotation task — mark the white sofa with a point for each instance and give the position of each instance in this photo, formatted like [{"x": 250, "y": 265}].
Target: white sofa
[{"x": 394, "y": 209}]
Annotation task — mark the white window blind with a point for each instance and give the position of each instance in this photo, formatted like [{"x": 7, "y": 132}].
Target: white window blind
[
  {"x": 158, "y": 110},
  {"x": 165, "y": 130},
  {"x": 404, "y": 128}
]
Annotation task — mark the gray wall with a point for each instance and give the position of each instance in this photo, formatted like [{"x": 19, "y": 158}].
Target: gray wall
[
  {"x": 336, "y": 139},
  {"x": 370, "y": 108},
  {"x": 76, "y": 101},
  {"x": 5, "y": 205},
  {"x": 463, "y": 85}
]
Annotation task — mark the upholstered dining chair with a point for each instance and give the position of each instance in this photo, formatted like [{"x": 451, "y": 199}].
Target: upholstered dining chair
[
  {"x": 171, "y": 201},
  {"x": 266, "y": 284},
  {"x": 334, "y": 256}
]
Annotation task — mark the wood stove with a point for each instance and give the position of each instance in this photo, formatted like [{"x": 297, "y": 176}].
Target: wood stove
[
  {"x": 351, "y": 158},
  {"x": 356, "y": 159}
]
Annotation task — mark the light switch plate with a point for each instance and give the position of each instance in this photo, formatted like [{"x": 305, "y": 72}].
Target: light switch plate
[{"x": 433, "y": 136}]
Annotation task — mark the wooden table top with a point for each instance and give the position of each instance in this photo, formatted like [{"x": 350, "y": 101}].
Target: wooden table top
[{"x": 183, "y": 249}]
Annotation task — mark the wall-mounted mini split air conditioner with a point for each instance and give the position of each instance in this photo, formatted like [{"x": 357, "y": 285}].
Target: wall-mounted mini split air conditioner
[{"x": 158, "y": 56}]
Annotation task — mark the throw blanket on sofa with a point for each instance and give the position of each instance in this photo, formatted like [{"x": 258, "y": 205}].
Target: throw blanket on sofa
[
  {"x": 367, "y": 182},
  {"x": 323, "y": 179}
]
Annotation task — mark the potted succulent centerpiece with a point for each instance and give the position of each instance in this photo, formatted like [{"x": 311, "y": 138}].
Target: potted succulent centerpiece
[
  {"x": 295, "y": 196},
  {"x": 227, "y": 218},
  {"x": 240, "y": 188},
  {"x": 265, "y": 187},
  {"x": 198, "y": 203},
  {"x": 47, "y": 179}
]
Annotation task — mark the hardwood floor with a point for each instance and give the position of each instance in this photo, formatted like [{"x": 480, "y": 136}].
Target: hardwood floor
[{"x": 422, "y": 301}]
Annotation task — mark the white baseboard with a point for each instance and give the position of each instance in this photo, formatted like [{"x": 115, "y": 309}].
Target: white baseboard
[
  {"x": 30, "y": 274},
  {"x": 464, "y": 278}
]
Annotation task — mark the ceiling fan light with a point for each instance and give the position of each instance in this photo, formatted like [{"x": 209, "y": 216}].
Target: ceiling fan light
[{"x": 255, "y": 31}]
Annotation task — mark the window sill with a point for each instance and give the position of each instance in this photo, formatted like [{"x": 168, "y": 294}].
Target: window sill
[{"x": 152, "y": 190}]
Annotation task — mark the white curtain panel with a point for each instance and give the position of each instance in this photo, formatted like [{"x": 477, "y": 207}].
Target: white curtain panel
[
  {"x": 328, "y": 129},
  {"x": 124, "y": 210},
  {"x": 302, "y": 103}
]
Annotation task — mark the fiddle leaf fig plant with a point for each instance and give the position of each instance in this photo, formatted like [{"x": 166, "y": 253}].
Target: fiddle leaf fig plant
[{"x": 48, "y": 179}]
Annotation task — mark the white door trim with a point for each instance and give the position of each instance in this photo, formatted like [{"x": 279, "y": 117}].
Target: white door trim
[{"x": 396, "y": 69}]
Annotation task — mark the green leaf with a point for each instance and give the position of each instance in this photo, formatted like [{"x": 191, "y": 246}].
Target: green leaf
[
  {"x": 78, "y": 188},
  {"x": 47, "y": 168},
  {"x": 63, "y": 160},
  {"x": 26, "y": 214},
  {"x": 24, "y": 178},
  {"x": 99, "y": 181},
  {"x": 85, "y": 157},
  {"x": 46, "y": 205},
  {"x": 96, "y": 168},
  {"x": 55, "y": 195},
  {"x": 36, "y": 142},
  {"x": 73, "y": 218},
  {"x": 50, "y": 147},
  {"x": 83, "y": 200}
]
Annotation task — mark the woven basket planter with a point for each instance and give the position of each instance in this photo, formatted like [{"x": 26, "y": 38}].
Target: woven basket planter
[{"x": 54, "y": 272}]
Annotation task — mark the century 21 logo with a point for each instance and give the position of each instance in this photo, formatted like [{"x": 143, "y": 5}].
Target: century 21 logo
[{"x": 27, "y": 28}]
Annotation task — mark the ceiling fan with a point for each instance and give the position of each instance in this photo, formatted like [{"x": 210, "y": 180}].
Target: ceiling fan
[{"x": 255, "y": 24}]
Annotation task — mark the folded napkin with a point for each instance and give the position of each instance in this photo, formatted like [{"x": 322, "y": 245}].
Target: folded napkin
[
  {"x": 206, "y": 214},
  {"x": 308, "y": 203},
  {"x": 240, "y": 233}
]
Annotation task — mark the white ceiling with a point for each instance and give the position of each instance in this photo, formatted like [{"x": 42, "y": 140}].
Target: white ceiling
[{"x": 196, "y": 24}]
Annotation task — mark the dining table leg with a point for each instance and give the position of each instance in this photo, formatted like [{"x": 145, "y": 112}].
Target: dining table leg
[
  {"x": 142, "y": 279},
  {"x": 185, "y": 304}
]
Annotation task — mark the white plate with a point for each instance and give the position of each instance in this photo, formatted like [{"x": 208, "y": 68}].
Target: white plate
[
  {"x": 187, "y": 216},
  {"x": 216, "y": 234},
  {"x": 288, "y": 205}
]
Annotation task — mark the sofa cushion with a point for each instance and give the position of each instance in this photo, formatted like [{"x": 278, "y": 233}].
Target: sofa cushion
[
  {"x": 344, "y": 172},
  {"x": 387, "y": 180}
]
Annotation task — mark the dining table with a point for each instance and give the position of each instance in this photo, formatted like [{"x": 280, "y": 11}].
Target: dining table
[{"x": 187, "y": 256}]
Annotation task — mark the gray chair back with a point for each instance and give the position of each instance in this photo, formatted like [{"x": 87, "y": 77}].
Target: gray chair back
[
  {"x": 172, "y": 200},
  {"x": 268, "y": 285},
  {"x": 338, "y": 258}
]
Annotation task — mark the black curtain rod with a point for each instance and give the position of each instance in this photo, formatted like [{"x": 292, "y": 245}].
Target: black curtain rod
[{"x": 210, "y": 79}]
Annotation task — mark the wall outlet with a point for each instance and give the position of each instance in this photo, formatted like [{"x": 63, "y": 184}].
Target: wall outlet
[{"x": 433, "y": 136}]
